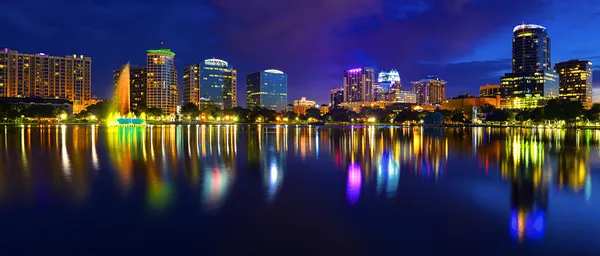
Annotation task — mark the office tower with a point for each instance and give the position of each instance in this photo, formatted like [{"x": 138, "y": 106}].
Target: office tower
[
  {"x": 489, "y": 90},
  {"x": 230, "y": 89},
  {"x": 379, "y": 92},
  {"x": 267, "y": 89},
  {"x": 204, "y": 82},
  {"x": 137, "y": 88},
  {"x": 575, "y": 81},
  {"x": 388, "y": 79},
  {"x": 430, "y": 91},
  {"x": 358, "y": 85},
  {"x": 531, "y": 67},
  {"x": 44, "y": 76},
  {"x": 337, "y": 96},
  {"x": 191, "y": 84},
  {"x": 161, "y": 80}
]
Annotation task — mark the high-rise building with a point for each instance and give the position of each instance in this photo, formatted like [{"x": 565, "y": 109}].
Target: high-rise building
[
  {"x": 137, "y": 88},
  {"x": 387, "y": 79},
  {"x": 531, "y": 64},
  {"x": 404, "y": 96},
  {"x": 267, "y": 89},
  {"x": 161, "y": 80},
  {"x": 337, "y": 96},
  {"x": 230, "y": 89},
  {"x": 358, "y": 85},
  {"x": 44, "y": 76},
  {"x": 204, "y": 83},
  {"x": 575, "y": 81},
  {"x": 379, "y": 92},
  {"x": 430, "y": 91},
  {"x": 489, "y": 90},
  {"x": 191, "y": 84}
]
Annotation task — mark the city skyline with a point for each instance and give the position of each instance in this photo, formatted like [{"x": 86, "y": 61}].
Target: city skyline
[{"x": 339, "y": 34}]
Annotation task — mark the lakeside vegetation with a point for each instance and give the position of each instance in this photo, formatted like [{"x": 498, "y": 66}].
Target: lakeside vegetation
[{"x": 554, "y": 113}]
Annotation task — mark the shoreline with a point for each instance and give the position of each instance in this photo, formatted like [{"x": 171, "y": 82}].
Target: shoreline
[{"x": 332, "y": 124}]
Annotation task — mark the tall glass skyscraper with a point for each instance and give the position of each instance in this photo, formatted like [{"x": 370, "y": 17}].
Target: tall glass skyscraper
[
  {"x": 230, "y": 89},
  {"x": 267, "y": 89},
  {"x": 358, "y": 85},
  {"x": 205, "y": 83},
  {"x": 430, "y": 91},
  {"x": 532, "y": 73},
  {"x": 161, "y": 80}
]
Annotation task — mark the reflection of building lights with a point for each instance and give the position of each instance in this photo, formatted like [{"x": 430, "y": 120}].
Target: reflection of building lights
[
  {"x": 530, "y": 225},
  {"x": 66, "y": 164},
  {"x": 354, "y": 183}
]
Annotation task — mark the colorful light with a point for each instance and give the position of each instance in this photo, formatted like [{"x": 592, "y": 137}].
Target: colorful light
[
  {"x": 356, "y": 70},
  {"x": 354, "y": 183}
]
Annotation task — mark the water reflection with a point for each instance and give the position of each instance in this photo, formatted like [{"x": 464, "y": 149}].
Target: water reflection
[{"x": 45, "y": 163}]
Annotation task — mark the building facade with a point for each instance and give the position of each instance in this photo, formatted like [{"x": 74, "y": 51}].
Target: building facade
[
  {"x": 161, "y": 80},
  {"x": 430, "y": 91},
  {"x": 301, "y": 105},
  {"x": 404, "y": 96},
  {"x": 230, "y": 89},
  {"x": 267, "y": 89},
  {"x": 336, "y": 96},
  {"x": 191, "y": 84},
  {"x": 489, "y": 90},
  {"x": 467, "y": 103},
  {"x": 531, "y": 64},
  {"x": 358, "y": 85},
  {"x": 48, "y": 77},
  {"x": 575, "y": 81},
  {"x": 137, "y": 88},
  {"x": 379, "y": 92}
]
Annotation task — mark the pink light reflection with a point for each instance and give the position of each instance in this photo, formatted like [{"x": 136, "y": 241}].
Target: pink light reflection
[{"x": 354, "y": 183}]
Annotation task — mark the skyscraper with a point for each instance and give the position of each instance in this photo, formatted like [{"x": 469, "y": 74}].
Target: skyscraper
[
  {"x": 267, "y": 89},
  {"x": 430, "y": 91},
  {"x": 204, "y": 83},
  {"x": 575, "y": 81},
  {"x": 358, "y": 85},
  {"x": 337, "y": 96},
  {"x": 44, "y": 76},
  {"x": 230, "y": 89},
  {"x": 161, "y": 80},
  {"x": 531, "y": 64},
  {"x": 137, "y": 88}
]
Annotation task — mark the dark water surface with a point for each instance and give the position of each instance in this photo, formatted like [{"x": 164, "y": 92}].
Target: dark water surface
[{"x": 277, "y": 190}]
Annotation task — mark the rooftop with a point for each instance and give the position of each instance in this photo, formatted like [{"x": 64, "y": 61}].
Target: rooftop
[{"x": 528, "y": 26}]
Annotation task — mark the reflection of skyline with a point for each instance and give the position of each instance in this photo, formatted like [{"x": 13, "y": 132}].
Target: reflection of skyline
[{"x": 205, "y": 158}]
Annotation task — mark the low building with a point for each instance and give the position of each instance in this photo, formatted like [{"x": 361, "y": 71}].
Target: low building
[
  {"x": 489, "y": 90},
  {"x": 301, "y": 105},
  {"x": 467, "y": 102},
  {"x": 324, "y": 109},
  {"x": 356, "y": 106},
  {"x": 523, "y": 102},
  {"x": 62, "y": 104}
]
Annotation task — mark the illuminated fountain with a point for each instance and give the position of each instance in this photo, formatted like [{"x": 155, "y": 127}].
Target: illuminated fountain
[{"x": 123, "y": 115}]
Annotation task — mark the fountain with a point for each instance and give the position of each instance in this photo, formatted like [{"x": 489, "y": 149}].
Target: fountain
[{"x": 123, "y": 114}]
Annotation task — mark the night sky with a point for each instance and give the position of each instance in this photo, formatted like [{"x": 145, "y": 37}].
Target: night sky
[{"x": 465, "y": 42}]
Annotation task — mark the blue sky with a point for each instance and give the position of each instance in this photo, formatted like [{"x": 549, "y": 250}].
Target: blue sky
[{"x": 465, "y": 42}]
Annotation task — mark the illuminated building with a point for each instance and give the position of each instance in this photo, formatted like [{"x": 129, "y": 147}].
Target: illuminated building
[
  {"x": 137, "y": 90},
  {"x": 337, "y": 96},
  {"x": 161, "y": 80},
  {"x": 403, "y": 96},
  {"x": 44, "y": 76},
  {"x": 489, "y": 90},
  {"x": 430, "y": 91},
  {"x": 386, "y": 79},
  {"x": 466, "y": 103},
  {"x": 191, "y": 84},
  {"x": 379, "y": 92},
  {"x": 575, "y": 81},
  {"x": 230, "y": 89},
  {"x": 356, "y": 106},
  {"x": 531, "y": 68},
  {"x": 358, "y": 85},
  {"x": 205, "y": 82},
  {"x": 301, "y": 105},
  {"x": 523, "y": 102},
  {"x": 324, "y": 109},
  {"x": 267, "y": 89}
]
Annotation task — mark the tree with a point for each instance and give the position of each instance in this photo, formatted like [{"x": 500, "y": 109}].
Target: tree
[
  {"x": 291, "y": 115},
  {"x": 566, "y": 110},
  {"x": 313, "y": 113},
  {"x": 407, "y": 116},
  {"x": 499, "y": 115},
  {"x": 458, "y": 116},
  {"x": 101, "y": 109},
  {"x": 487, "y": 108},
  {"x": 593, "y": 114},
  {"x": 154, "y": 112},
  {"x": 190, "y": 109}
]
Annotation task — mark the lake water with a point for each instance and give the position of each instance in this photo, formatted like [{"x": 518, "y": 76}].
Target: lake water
[{"x": 281, "y": 190}]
